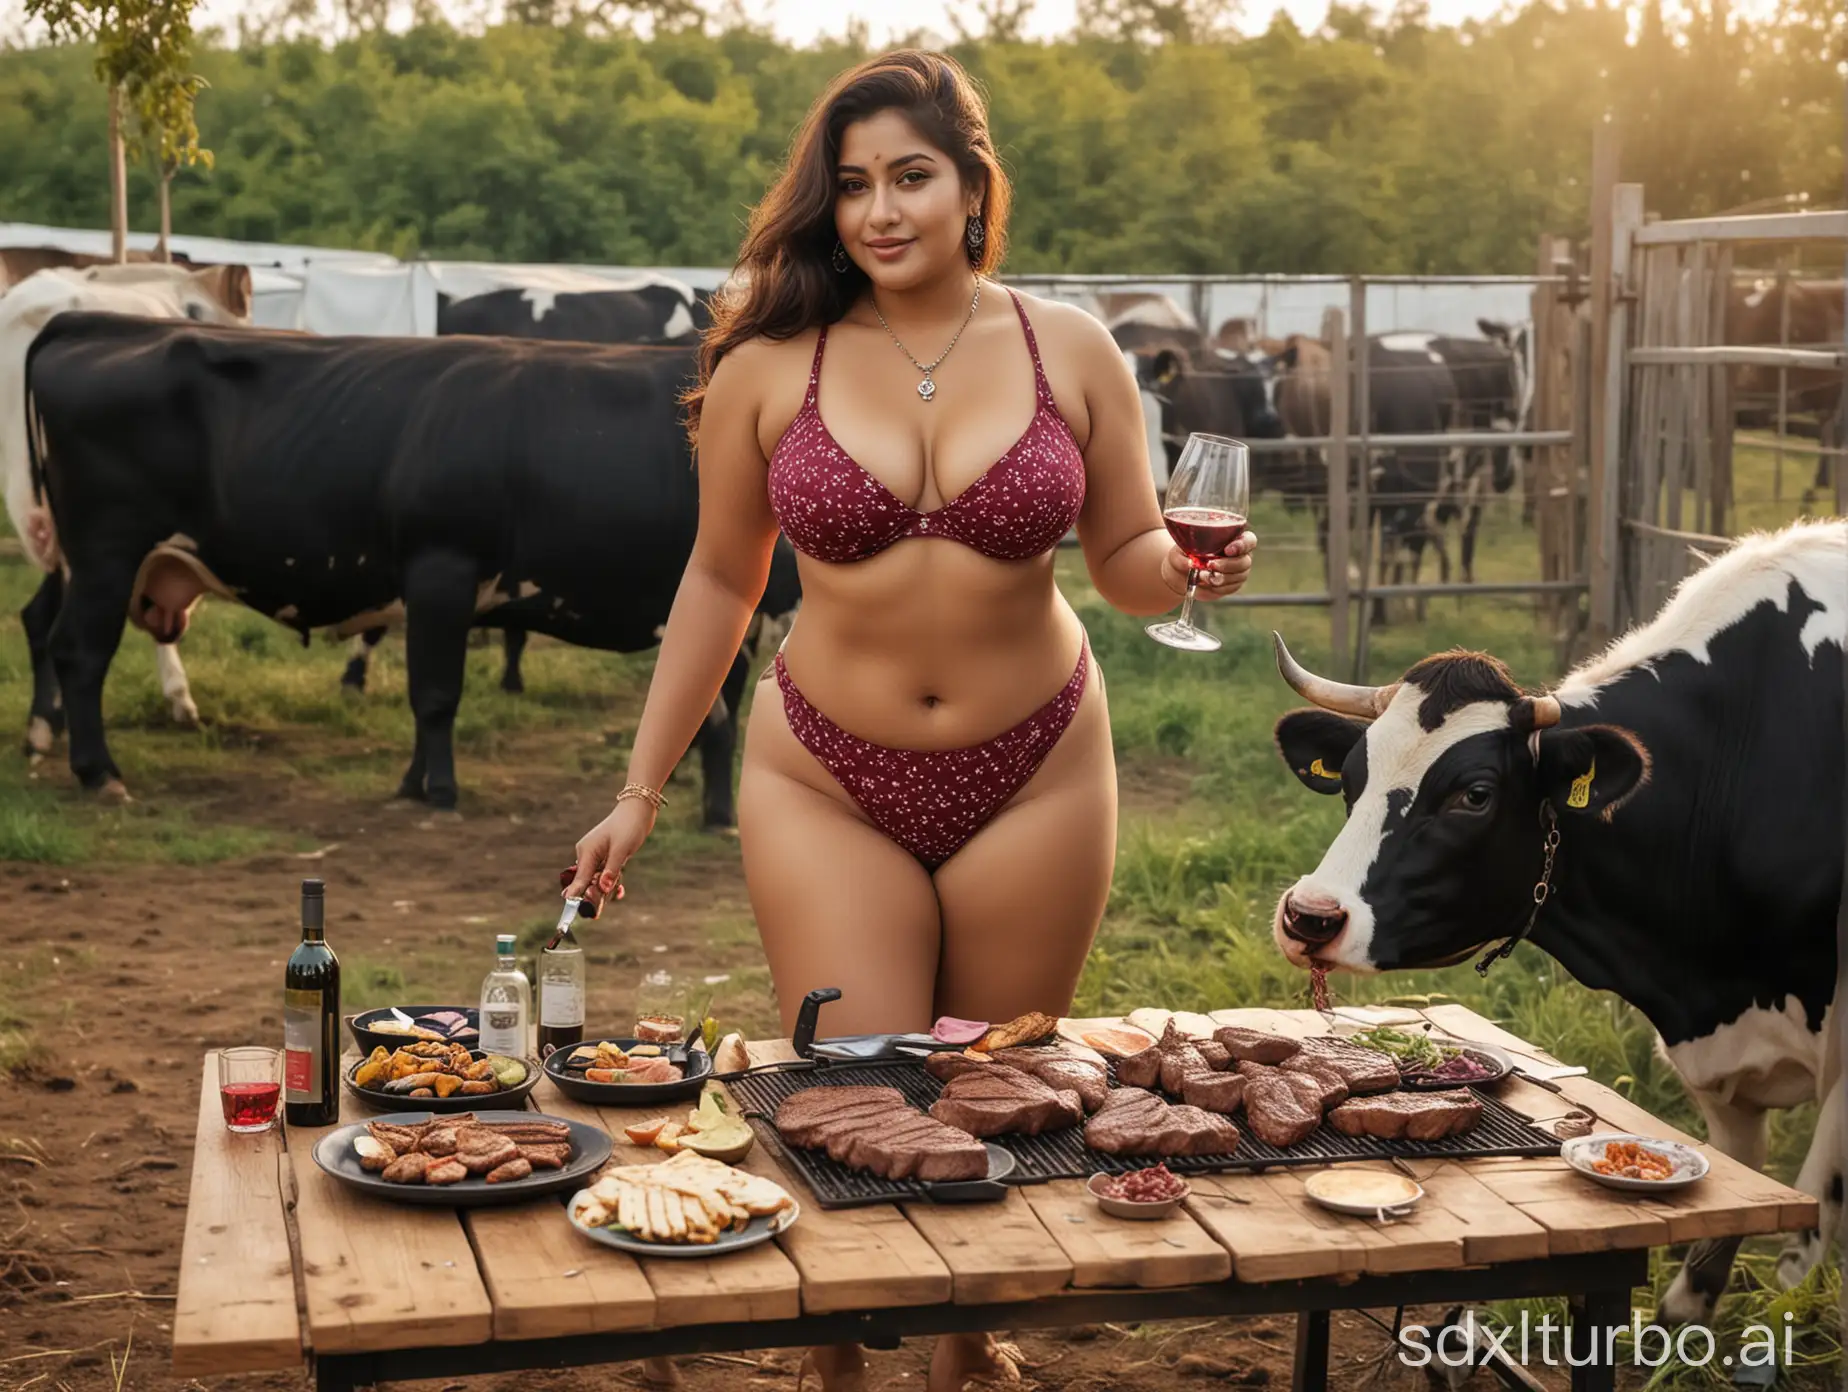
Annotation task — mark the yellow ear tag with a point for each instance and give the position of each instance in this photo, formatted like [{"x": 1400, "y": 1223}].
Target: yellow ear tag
[
  {"x": 1317, "y": 771},
  {"x": 1580, "y": 796}
]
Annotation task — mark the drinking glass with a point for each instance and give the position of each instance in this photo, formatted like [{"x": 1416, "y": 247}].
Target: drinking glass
[
  {"x": 249, "y": 1085},
  {"x": 1208, "y": 496}
]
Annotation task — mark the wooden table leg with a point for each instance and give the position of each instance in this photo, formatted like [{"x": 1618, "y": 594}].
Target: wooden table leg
[
  {"x": 1589, "y": 1347},
  {"x": 1311, "y": 1372}
]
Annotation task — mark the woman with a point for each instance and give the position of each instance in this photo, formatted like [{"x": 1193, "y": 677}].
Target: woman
[{"x": 927, "y": 808}]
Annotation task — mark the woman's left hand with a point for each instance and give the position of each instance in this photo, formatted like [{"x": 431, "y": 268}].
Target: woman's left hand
[{"x": 1226, "y": 576}]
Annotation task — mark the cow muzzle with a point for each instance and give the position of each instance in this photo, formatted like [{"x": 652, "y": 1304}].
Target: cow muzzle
[{"x": 1311, "y": 918}]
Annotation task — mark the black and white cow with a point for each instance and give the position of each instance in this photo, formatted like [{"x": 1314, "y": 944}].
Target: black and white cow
[
  {"x": 333, "y": 482},
  {"x": 1693, "y": 773},
  {"x": 213, "y": 295},
  {"x": 1213, "y": 393},
  {"x": 663, "y": 312}
]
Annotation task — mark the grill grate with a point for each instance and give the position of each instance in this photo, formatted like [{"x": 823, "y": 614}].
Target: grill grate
[{"x": 1063, "y": 1154}]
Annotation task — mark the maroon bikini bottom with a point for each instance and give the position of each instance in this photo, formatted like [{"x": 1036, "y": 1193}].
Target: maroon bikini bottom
[{"x": 931, "y": 801}]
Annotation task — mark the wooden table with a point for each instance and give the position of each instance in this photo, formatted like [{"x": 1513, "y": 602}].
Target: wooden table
[{"x": 281, "y": 1264}]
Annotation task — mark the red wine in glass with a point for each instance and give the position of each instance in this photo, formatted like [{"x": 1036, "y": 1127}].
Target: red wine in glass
[
  {"x": 1204, "y": 511},
  {"x": 249, "y": 1106},
  {"x": 249, "y": 1087},
  {"x": 1203, "y": 533}
]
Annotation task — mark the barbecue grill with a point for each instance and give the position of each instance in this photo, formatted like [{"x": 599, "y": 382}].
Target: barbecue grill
[{"x": 1064, "y": 1155}]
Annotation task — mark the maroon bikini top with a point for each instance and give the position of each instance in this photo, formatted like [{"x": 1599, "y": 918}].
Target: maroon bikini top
[{"x": 832, "y": 509}]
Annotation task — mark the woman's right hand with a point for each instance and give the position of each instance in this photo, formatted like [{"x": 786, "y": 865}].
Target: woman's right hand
[{"x": 605, "y": 848}]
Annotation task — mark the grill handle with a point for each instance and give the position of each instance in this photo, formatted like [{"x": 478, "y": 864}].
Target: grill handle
[{"x": 803, "y": 1039}]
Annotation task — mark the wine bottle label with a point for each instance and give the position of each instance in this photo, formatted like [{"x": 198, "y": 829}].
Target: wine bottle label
[
  {"x": 503, "y": 1030},
  {"x": 561, "y": 1003},
  {"x": 301, "y": 1043}
]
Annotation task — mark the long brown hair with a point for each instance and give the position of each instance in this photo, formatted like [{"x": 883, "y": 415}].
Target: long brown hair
[{"x": 785, "y": 281}]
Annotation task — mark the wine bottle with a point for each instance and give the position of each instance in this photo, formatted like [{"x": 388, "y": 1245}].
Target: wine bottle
[
  {"x": 561, "y": 992},
  {"x": 506, "y": 1003},
  {"x": 311, "y": 1020}
]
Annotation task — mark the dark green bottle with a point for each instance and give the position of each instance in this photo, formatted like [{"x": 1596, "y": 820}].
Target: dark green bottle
[{"x": 311, "y": 1020}]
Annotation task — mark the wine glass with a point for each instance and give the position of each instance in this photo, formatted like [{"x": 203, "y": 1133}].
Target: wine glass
[{"x": 1208, "y": 496}]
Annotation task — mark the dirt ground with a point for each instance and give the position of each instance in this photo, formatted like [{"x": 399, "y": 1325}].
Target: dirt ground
[{"x": 96, "y": 1132}]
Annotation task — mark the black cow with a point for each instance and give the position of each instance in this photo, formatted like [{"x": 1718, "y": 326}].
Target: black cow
[
  {"x": 1213, "y": 393},
  {"x": 327, "y": 481},
  {"x": 1692, "y": 774},
  {"x": 1410, "y": 393},
  {"x": 656, "y": 313}
]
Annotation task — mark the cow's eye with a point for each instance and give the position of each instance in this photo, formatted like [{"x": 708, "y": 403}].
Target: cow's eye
[{"x": 1474, "y": 798}]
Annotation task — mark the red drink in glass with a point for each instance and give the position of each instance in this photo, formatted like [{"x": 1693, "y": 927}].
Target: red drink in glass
[
  {"x": 1204, "y": 533},
  {"x": 249, "y": 1087},
  {"x": 249, "y": 1106}
]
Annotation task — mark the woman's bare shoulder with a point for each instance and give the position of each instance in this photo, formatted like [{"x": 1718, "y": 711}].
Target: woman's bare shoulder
[{"x": 1069, "y": 322}]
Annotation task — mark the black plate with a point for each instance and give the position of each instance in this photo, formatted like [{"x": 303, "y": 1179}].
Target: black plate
[
  {"x": 506, "y": 1100},
  {"x": 1486, "y": 1054},
  {"x": 590, "y": 1148},
  {"x": 368, "y": 1039},
  {"x": 579, "y": 1088}
]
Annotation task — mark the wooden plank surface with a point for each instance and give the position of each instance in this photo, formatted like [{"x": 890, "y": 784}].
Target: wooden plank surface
[
  {"x": 759, "y": 1283},
  {"x": 381, "y": 1275},
  {"x": 1108, "y": 1251},
  {"x": 235, "y": 1311},
  {"x": 995, "y": 1252},
  {"x": 1733, "y": 1200}
]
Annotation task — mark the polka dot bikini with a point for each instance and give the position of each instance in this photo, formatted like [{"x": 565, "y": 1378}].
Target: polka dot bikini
[{"x": 930, "y": 801}]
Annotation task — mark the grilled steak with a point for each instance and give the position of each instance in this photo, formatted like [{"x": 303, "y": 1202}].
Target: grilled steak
[
  {"x": 1134, "y": 1121},
  {"x": 1412, "y": 1116},
  {"x": 1180, "y": 1060},
  {"x": 1335, "y": 1089},
  {"x": 1259, "y": 1046},
  {"x": 1141, "y": 1070},
  {"x": 1214, "y": 1092},
  {"x": 998, "y": 1101},
  {"x": 945, "y": 1066},
  {"x": 1276, "y": 1111},
  {"x": 1218, "y": 1057},
  {"x": 1062, "y": 1069},
  {"x": 1366, "y": 1070},
  {"x": 805, "y": 1118},
  {"x": 876, "y": 1129}
]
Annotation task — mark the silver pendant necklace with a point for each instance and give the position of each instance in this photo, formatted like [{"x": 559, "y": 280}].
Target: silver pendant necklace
[{"x": 928, "y": 388}]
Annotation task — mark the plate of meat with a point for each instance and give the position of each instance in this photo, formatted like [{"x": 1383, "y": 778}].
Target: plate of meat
[
  {"x": 627, "y": 1072},
  {"x": 463, "y": 1161}
]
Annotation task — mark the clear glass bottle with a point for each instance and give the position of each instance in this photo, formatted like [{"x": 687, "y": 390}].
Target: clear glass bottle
[
  {"x": 561, "y": 993},
  {"x": 506, "y": 1004}
]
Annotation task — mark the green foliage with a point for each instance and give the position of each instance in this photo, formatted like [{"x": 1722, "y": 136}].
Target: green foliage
[{"x": 1145, "y": 143}]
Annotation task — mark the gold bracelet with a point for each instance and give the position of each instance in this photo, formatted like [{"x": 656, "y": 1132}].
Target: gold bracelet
[{"x": 642, "y": 790}]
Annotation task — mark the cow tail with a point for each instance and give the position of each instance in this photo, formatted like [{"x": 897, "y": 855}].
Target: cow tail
[{"x": 35, "y": 438}]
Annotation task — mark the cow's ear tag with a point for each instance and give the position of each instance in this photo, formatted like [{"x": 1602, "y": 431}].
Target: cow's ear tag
[
  {"x": 1580, "y": 796},
  {"x": 1320, "y": 770}
]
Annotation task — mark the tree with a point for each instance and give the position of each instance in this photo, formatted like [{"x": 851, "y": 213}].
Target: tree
[{"x": 143, "y": 60}]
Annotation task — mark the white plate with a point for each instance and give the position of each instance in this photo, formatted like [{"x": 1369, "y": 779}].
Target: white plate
[
  {"x": 1690, "y": 1164},
  {"x": 758, "y": 1230},
  {"x": 1341, "y": 1191}
]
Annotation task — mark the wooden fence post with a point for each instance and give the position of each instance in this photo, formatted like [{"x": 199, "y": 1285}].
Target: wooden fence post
[
  {"x": 1361, "y": 392},
  {"x": 1617, "y": 213},
  {"x": 1340, "y": 537}
]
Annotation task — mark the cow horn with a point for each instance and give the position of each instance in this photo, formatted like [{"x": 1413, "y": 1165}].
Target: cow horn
[
  {"x": 1546, "y": 712},
  {"x": 1368, "y": 702}
]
